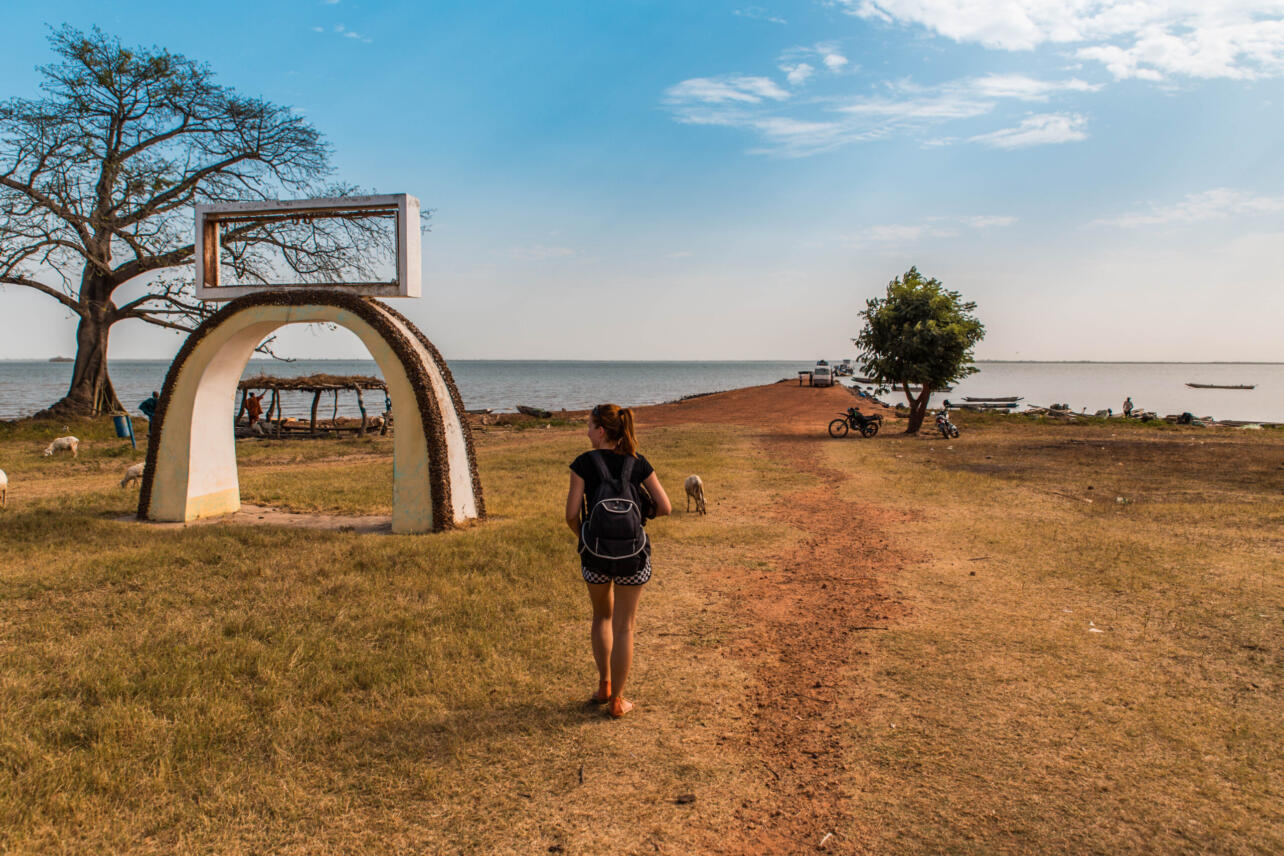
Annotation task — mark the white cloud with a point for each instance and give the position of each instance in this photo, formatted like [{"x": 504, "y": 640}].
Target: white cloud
[
  {"x": 1147, "y": 39},
  {"x": 540, "y": 252},
  {"x": 1043, "y": 129},
  {"x": 341, "y": 30},
  {"x": 983, "y": 221},
  {"x": 933, "y": 227},
  {"x": 1218, "y": 204},
  {"x": 796, "y": 137},
  {"x": 827, "y": 54},
  {"x": 901, "y": 234},
  {"x": 1025, "y": 88},
  {"x": 727, "y": 88},
  {"x": 797, "y": 74},
  {"x": 756, "y": 13},
  {"x": 802, "y": 127},
  {"x": 929, "y": 108}
]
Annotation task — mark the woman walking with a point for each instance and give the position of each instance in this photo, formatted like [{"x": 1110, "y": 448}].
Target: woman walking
[{"x": 614, "y": 583}]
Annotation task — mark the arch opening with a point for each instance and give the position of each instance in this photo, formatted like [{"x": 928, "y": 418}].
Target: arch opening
[{"x": 191, "y": 461}]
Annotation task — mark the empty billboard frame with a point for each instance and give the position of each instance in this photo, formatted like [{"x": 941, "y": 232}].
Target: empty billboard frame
[{"x": 213, "y": 221}]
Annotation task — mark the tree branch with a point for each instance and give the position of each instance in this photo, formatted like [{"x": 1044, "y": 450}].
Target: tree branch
[
  {"x": 41, "y": 287},
  {"x": 49, "y": 204}
]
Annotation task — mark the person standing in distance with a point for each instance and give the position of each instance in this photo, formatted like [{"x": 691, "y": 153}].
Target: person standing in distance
[
  {"x": 148, "y": 405},
  {"x": 614, "y": 585}
]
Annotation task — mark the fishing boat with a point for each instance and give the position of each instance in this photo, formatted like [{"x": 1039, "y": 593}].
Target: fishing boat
[
  {"x": 988, "y": 405},
  {"x": 895, "y": 386},
  {"x": 993, "y": 399},
  {"x": 1222, "y": 385}
]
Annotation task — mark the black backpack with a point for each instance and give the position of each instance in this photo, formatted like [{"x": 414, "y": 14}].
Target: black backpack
[{"x": 613, "y": 528}]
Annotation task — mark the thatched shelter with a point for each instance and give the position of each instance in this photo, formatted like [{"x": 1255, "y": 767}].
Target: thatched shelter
[{"x": 278, "y": 426}]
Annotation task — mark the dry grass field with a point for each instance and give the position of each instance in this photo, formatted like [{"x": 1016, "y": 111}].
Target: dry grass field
[{"x": 867, "y": 646}]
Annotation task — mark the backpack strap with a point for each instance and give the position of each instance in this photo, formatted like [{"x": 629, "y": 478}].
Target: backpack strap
[
  {"x": 627, "y": 470},
  {"x": 597, "y": 457}
]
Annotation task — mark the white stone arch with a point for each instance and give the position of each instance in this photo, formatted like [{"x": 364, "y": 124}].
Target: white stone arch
[{"x": 191, "y": 458}]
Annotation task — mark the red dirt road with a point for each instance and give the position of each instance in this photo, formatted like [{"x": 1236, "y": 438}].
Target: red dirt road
[
  {"x": 808, "y": 620},
  {"x": 784, "y": 408}
]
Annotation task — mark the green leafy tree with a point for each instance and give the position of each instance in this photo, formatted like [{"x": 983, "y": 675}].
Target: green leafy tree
[
  {"x": 99, "y": 175},
  {"x": 919, "y": 333}
]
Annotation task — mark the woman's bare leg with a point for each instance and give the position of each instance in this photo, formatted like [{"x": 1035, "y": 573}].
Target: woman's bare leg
[
  {"x": 600, "y": 595},
  {"x": 626, "y": 608}
]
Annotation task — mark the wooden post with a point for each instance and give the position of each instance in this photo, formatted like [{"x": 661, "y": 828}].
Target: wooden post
[
  {"x": 316, "y": 399},
  {"x": 276, "y": 402},
  {"x": 361, "y": 404},
  {"x": 334, "y": 417},
  {"x": 237, "y": 420}
]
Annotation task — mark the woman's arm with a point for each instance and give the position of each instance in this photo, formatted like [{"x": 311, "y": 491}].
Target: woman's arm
[
  {"x": 574, "y": 498},
  {"x": 653, "y": 487}
]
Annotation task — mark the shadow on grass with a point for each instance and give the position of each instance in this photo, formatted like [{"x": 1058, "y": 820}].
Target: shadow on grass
[{"x": 441, "y": 739}]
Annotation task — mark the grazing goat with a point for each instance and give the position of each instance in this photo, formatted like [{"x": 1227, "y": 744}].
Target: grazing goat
[
  {"x": 134, "y": 473},
  {"x": 4, "y": 489},
  {"x": 695, "y": 490},
  {"x": 64, "y": 444}
]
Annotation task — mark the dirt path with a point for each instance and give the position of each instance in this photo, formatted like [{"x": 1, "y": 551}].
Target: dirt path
[
  {"x": 808, "y": 622},
  {"x": 262, "y": 515}
]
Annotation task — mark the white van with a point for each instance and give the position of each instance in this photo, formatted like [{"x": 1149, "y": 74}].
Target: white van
[{"x": 821, "y": 375}]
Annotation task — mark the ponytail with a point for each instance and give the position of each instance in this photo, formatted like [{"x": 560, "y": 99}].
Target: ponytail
[
  {"x": 618, "y": 423},
  {"x": 628, "y": 442}
]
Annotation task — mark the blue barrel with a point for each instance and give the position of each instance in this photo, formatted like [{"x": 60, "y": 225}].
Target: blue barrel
[{"x": 122, "y": 426}]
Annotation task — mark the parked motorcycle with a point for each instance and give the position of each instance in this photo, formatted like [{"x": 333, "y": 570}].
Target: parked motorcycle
[
  {"x": 943, "y": 424},
  {"x": 854, "y": 420}
]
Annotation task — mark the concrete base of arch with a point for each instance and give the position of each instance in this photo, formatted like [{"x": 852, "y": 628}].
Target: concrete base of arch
[{"x": 191, "y": 457}]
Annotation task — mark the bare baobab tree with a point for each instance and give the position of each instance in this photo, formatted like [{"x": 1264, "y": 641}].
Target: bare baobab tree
[{"x": 98, "y": 177}]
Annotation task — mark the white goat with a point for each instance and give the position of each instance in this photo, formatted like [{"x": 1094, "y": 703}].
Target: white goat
[
  {"x": 64, "y": 444},
  {"x": 4, "y": 489},
  {"x": 695, "y": 490},
  {"x": 134, "y": 473}
]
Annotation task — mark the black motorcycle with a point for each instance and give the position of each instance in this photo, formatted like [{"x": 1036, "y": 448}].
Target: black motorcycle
[
  {"x": 945, "y": 426},
  {"x": 854, "y": 420}
]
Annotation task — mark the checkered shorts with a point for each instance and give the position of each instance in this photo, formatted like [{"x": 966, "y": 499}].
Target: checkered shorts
[{"x": 636, "y": 578}]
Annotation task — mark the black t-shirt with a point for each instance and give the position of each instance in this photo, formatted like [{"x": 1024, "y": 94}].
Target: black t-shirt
[{"x": 584, "y": 467}]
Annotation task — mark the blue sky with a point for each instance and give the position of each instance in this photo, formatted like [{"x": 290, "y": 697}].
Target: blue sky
[{"x": 732, "y": 181}]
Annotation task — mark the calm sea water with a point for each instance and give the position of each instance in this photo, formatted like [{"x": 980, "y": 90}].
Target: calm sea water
[{"x": 26, "y": 387}]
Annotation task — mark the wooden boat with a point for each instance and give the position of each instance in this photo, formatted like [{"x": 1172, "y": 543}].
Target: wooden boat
[
  {"x": 988, "y": 405},
  {"x": 896, "y": 387},
  {"x": 994, "y": 400},
  {"x": 1222, "y": 386}
]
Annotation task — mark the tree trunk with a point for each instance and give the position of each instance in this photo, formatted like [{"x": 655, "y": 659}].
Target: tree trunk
[
  {"x": 918, "y": 408},
  {"x": 91, "y": 392}
]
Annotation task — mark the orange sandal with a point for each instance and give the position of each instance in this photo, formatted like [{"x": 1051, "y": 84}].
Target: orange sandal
[
  {"x": 619, "y": 706},
  {"x": 603, "y": 694}
]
